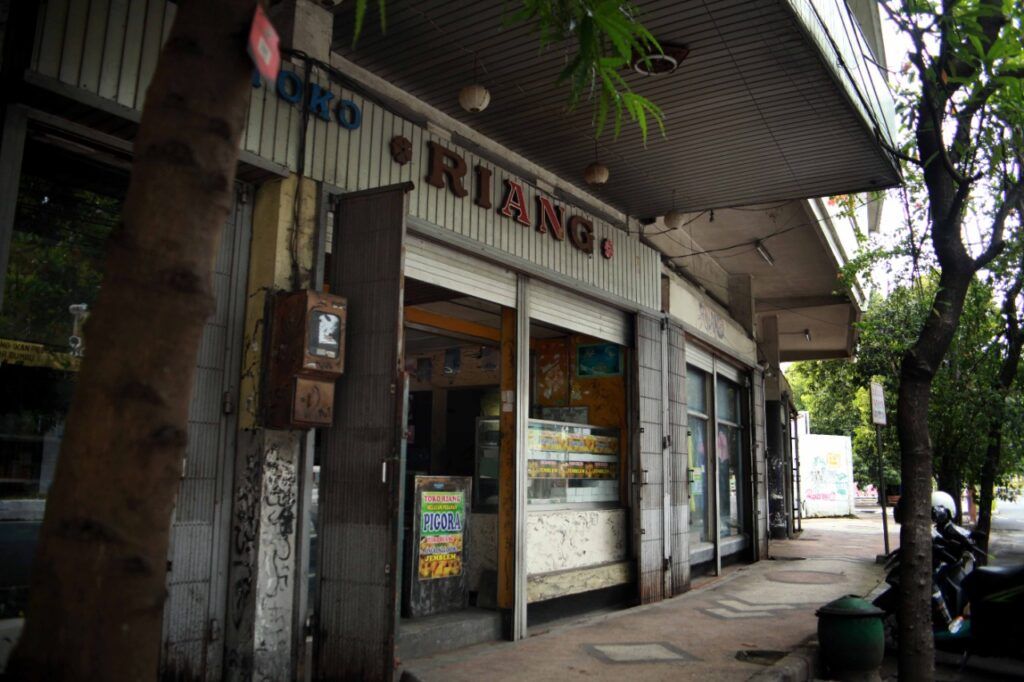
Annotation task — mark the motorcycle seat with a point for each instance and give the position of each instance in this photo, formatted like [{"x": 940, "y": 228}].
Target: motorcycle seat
[{"x": 987, "y": 579}]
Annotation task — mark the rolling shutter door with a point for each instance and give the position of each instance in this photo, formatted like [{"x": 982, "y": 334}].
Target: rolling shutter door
[
  {"x": 430, "y": 262},
  {"x": 571, "y": 311}
]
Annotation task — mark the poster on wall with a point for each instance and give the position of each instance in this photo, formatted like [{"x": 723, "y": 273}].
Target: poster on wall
[
  {"x": 442, "y": 529},
  {"x": 598, "y": 360},
  {"x": 437, "y": 563}
]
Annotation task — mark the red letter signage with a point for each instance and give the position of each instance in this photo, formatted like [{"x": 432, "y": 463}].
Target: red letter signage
[
  {"x": 515, "y": 202},
  {"x": 550, "y": 217},
  {"x": 581, "y": 234}
]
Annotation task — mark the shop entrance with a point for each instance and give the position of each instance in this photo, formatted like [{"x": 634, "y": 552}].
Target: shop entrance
[{"x": 450, "y": 502}]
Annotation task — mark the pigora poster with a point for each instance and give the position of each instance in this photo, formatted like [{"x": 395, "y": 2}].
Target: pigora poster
[{"x": 442, "y": 527}]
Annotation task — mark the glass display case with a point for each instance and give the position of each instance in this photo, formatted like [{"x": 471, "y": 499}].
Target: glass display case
[
  {"x": 572, "y": 464},
  {"x": 485, "y": 482}
]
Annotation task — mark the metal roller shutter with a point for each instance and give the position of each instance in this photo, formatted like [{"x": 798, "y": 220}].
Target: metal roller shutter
[
  {"x": 430, "y": 262},
  {"x": 565, "y": 309}
]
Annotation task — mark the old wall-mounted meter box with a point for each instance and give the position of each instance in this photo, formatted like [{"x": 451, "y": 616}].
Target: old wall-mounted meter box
[{"x": 305, "y": 357}]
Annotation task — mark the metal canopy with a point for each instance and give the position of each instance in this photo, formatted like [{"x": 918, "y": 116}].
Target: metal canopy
[{"x": 755, "y": 113}]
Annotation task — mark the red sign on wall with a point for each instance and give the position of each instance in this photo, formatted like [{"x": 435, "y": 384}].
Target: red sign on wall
[{"x": 263, "y": 45}]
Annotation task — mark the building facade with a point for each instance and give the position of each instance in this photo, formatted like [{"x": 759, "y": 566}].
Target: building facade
[{"x": 549, "y": 395}]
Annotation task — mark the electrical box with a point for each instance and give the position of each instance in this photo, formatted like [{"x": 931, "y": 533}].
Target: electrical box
[{"x": 305, "y": 357}]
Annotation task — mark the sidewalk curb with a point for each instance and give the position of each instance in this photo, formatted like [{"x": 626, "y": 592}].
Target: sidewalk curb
[{"x": 797, "y": 666}]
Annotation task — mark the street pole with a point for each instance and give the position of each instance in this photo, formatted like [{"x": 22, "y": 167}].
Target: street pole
[
  {"x": 881, "y": 486},
  {"x": 878, "y": 419}
]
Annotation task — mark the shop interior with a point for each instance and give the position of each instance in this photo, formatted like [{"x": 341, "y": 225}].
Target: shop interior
[{"x": 575, "y": 465}]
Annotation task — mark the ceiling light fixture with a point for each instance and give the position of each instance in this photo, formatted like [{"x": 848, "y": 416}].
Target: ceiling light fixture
[
  {"x": 660, "y": 63},
  {"x": 596, "y": 173},
  {"x": 674, "y": 218},
  {"x": 807, "y": 335},
  {"x": 763, "y": 252},
  {"x": 474, "y": 98}
]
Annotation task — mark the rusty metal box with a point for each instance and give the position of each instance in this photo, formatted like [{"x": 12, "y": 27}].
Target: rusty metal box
[{"x": 306, "y": 355}]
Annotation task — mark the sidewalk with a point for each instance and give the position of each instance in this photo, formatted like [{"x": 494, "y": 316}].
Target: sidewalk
[{"x": 764, "y": 606}]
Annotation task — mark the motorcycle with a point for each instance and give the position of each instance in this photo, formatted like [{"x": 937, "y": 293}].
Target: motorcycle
[{"x": 973, "y": 605}]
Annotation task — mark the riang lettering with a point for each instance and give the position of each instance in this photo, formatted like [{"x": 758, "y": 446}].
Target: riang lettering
[
  {"x": 483, "y": 186},
  {"x": 581, "y": 234},
  {"x": 515, "y": 203},
  {"x": 439, "y": 169},
  {"x": 550, "y": 218}
]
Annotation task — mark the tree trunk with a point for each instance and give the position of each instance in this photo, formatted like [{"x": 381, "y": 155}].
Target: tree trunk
[
  {"x": 916, "y": 652},
  {"x": 993, "y": 452},
  {"x": 98, "y": 584}
]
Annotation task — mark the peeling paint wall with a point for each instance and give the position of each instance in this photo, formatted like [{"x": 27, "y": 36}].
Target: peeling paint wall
[{"x": 559, "y": 540}]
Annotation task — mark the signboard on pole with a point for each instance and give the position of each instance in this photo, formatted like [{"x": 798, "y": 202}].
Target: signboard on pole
[{"x": 877, "y": 404}]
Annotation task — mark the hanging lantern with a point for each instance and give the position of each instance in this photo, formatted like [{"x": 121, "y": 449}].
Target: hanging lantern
[
  {"x": 474, "y": 98},
  {"x": 674, "y": 219},
  {"x": 596, "y": 173}
]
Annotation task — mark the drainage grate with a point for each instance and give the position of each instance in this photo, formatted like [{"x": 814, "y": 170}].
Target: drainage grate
[
  {"x": 805, "y": 577},
  {"x": 639, "y": 652},
  {"x": 760, "y": 656}
]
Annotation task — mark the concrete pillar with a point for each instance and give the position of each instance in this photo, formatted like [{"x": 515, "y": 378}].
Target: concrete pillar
[
  {"x": 769, "y": 345},
  {"x": 267, "y": 565},
  {"x": 304, "y": 25},
  {"x": 741, "y": 301}
]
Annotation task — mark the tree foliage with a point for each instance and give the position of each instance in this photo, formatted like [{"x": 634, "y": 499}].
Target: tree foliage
[{"x": 835, "y": 392}]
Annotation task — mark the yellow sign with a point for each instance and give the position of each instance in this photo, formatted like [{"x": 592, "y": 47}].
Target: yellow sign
[{"x": 35, "y": 355}]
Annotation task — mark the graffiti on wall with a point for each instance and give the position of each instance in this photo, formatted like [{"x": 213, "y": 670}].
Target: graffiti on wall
[{"x": 827, "y": 481}]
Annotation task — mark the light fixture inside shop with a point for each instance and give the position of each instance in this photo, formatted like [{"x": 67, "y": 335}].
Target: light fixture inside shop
[
  {"x": 596, "y": 173},
  {"x": 763, "y": 252},
  {"x": 674, "y": 218},
  {"x": 474, "y": 98},
  {"x": 661, "y": 63}
]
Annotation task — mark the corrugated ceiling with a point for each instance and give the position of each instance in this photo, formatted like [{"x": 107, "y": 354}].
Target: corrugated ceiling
[{"x": 753, "y": 114}]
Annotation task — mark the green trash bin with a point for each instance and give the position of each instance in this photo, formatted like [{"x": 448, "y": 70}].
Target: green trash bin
[{"x": 851, "y": 637}]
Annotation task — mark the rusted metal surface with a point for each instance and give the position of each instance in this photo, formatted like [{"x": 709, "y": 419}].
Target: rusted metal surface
[
  {"x": 649, "y": 464},
  {"x": 194, "y": 610},
  {"x": 675, "y": 375},
  {"x": 360, "y": 465}
]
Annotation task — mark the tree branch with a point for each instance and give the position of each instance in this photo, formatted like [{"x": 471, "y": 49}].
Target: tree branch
[{"x": 1013, "y": 196}]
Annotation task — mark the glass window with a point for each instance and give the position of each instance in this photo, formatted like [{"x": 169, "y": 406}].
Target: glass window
[
  {"x": 572, "y": 464},
  {"x": 64, "y": 214},
  {"x": 696, "y": 392},
  {"x": 729, "y": 448}
]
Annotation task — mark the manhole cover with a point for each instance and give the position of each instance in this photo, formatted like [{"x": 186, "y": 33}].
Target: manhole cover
[
  {"x": 760, "y": 656},
  {"x": 805, "y": 577}
]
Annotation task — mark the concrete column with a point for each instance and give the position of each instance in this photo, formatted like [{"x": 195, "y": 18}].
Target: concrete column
[
  {"x": 267, "y": 566},
  {"x": 769, "y": 344},
  {"x": 741, "y": 301},
  {"x": 304, "y": 25}
]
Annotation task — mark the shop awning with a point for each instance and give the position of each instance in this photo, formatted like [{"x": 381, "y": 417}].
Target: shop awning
[{"x": 776, "y": 100}]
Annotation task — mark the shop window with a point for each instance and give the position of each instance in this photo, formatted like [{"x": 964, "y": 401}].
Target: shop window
[
  {"x": 730, "y": 456},
  {"x": 698, "y": 422},
  {"x": 66, "y": 210},
  {"x": 574, "y": 442},
  {"x": 571, "y": 463}
]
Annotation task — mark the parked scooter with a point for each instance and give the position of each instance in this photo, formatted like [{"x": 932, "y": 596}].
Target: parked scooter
[{"x": 972, "y": 605}]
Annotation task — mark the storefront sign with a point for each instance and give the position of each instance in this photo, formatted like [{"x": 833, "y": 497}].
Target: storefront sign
[
  {"x": 442, "y": 530},
  {"x": 35, "y": 355},
  {"x": 321, "y": 103},
  {"x": 448, "y": 168}
]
